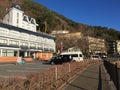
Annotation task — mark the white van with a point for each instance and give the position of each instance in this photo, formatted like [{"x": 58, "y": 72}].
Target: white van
[{"x": 75, "y": 55}]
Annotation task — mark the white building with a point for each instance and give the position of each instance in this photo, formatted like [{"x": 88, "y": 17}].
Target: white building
[
  {"x": 15, "y": 16},
  {"x": 18, "y": 36},
  {"x": 55, "y": 32},
  {"x": 114, "y": 47},
  {"x": 118, "y": 47},
  {"x": 96, "y": 45}
]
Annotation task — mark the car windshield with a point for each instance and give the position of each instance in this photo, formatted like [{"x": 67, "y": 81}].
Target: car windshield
[
  {"x": 95, "y": 56},
  {"x": 59, "y": 57}
]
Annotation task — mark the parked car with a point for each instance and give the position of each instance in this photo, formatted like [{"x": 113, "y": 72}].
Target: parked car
[
  {"x": 60, "y": 59},
  {"x": 95, "y": 57},
  {"x": 104, "y": 57},
  {"x": 50, "y": 61}
]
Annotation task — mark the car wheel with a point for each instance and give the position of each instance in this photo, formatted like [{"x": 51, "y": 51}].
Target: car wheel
[
  {"x": 52, "y": 63},
  {"x": 73, "y": 60}
]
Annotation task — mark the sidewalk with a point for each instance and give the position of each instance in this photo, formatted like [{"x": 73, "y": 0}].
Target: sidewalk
[{"x": 93, "y": 78}]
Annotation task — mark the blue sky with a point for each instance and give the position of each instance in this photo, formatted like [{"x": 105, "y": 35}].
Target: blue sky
[{"x": 104, "y": 13}]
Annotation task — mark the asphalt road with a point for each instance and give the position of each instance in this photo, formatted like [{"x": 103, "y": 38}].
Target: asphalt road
[{"x": 7, "y": 70}]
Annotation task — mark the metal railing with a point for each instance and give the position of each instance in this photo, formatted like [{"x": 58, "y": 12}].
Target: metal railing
[{"x": 114, "y": 73}]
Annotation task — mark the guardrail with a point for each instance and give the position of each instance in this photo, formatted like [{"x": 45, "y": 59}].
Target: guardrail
[
  {"x": 50, "y": 79},
  {"x": 114, "y": 73}
]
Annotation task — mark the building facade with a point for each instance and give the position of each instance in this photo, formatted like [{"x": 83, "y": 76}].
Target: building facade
[
  {"x": 18, "y": 36},
  {"x": 56, "y": 32},
  {"x": 96, "y": 46},
  {"x": 111, "y": 47},
  {"x": 16, "y": 17},
  {"x": 114, "y": 47},
  {"x": 118, "y": 47}
]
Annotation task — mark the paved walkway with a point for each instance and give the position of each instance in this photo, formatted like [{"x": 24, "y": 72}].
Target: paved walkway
[{"x": 93, "y": 78}]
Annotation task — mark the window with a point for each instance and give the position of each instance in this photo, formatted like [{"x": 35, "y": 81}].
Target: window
[
  {"x": 74, "y": 55},
  {"x": 80, "y": 55},
  {"x": 40, "y": 45},
  {"x": 3, "y": 41},
  {"x": 17, "y": 14},
  {"x": 13, "y": 42},
  {"x": 32, "y": 21},
  {"x": 14, "y": 33},
  {"x": 24, "y": 35},
  {"x": 17, "y": 18},
  {"x": 32, "y": 45},
  {"x": 39, "y": 38},
  {"x": 8, "y": 53},
  {"x": 3, "y": 31},
  {"x": 25, "y": 18},
  {"x": 33, "y": 37},
  {"x": 24, "y": 43}
]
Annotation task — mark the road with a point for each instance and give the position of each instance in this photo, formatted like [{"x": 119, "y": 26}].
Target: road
[{"x": 7, "y": 70}]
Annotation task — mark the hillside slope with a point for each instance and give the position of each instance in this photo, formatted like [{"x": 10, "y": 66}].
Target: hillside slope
[{"x": 55, "y": 21}]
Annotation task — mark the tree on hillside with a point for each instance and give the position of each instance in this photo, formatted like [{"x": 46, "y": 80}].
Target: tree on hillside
[
  {"x": 56, "y": 21},
  {"x": 83, "y": 44}
]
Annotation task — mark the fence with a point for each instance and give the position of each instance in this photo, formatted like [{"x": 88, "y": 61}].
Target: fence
[
  {"x": 114, "y": 73},
  {"x": 51, "y": 79}
]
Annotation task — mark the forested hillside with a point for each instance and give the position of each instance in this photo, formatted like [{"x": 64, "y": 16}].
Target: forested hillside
[{"x": 55, "y": 21}]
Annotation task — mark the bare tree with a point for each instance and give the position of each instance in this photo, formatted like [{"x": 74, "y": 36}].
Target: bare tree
[{"x": 83, "y": 44}]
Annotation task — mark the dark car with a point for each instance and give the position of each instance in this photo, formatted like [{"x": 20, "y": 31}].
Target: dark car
[
  {"x": 104, "y": 57},
  {"x": 51, "y": 60},
  {"x": 60, "y": 59}
]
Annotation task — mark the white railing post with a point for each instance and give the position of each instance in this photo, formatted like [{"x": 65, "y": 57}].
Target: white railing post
[
  {"x": 56, "y": 73},
  {"x": 69, "y": 67},
  {"x": 56, "y": 77}
]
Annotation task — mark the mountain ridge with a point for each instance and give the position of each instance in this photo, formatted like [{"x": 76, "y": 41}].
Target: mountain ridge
[{"x": 55, "y": 21}]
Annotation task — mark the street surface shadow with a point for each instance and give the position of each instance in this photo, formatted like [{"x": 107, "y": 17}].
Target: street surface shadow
[{"x": 77, "y": 86}]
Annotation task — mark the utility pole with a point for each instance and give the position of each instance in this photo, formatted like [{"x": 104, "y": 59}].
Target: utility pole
[
  {"x": 61, "y": 47},
  {"x": 45, "y": 22}
]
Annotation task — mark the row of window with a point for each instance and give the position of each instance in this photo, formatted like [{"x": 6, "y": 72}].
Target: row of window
[
  {"x": 24, "y": 43},
  {"x": 25, "y": 36},
  {"x": 28, "y": 26},
  {"x": 8, "y": 53}
]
